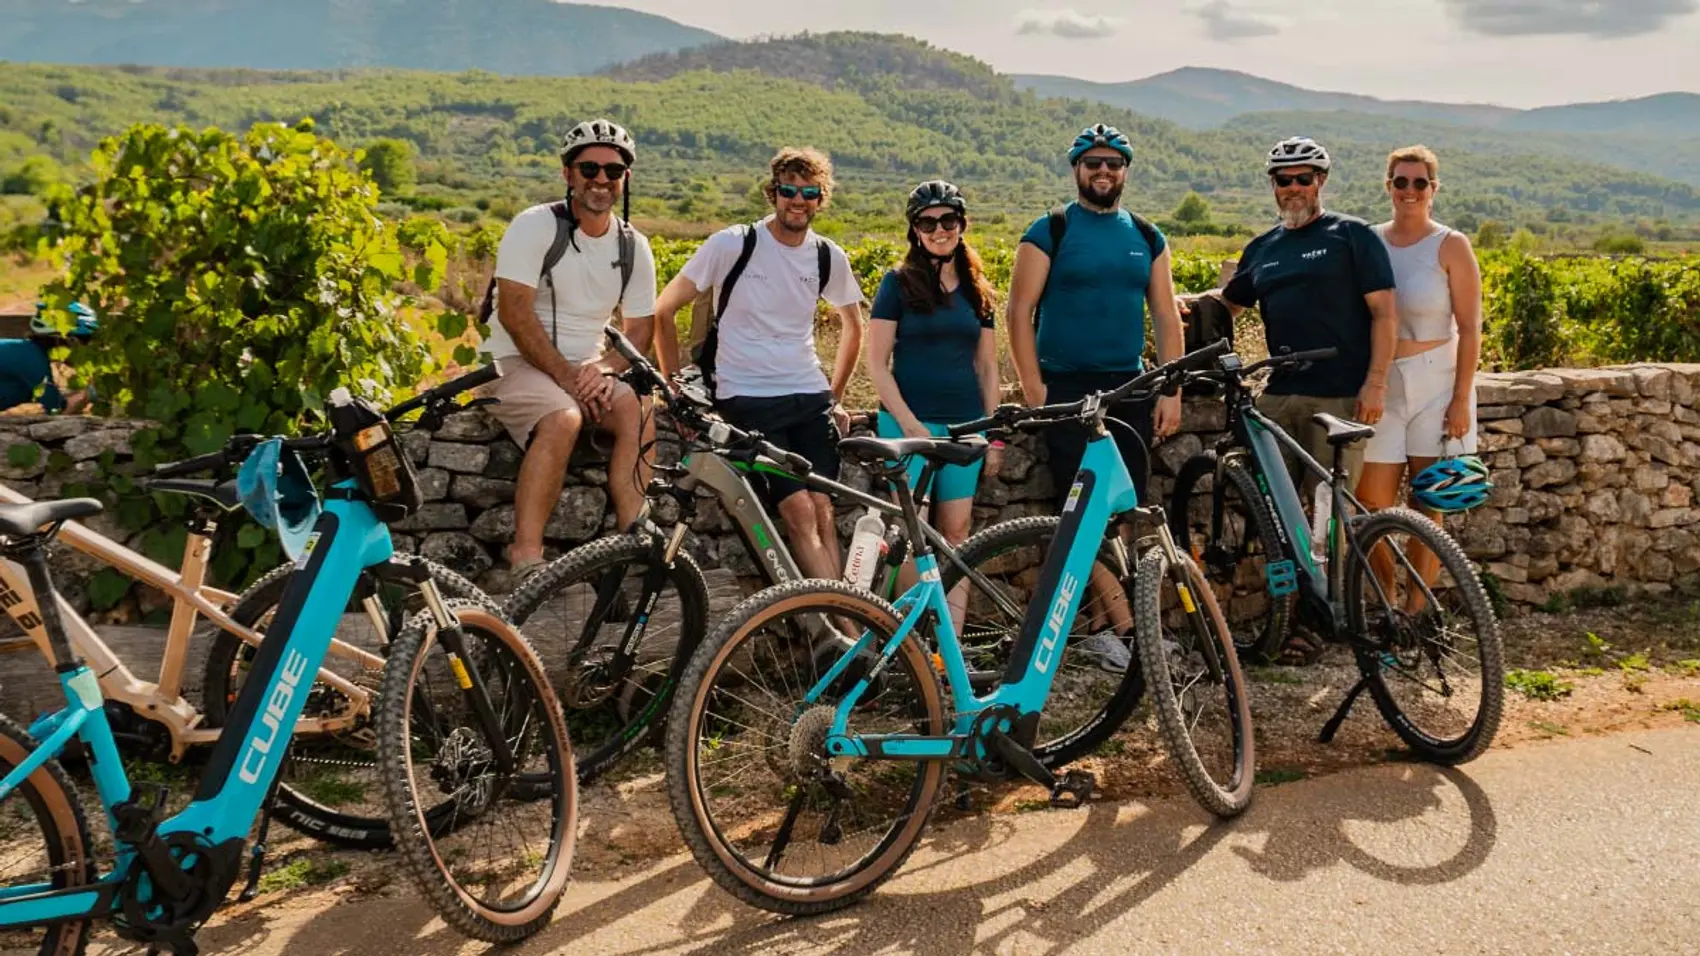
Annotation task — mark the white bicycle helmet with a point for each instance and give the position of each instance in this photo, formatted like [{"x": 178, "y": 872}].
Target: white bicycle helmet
[
  {"x": 598, "y": 132},
  {"x": 1297, "y": 151}
]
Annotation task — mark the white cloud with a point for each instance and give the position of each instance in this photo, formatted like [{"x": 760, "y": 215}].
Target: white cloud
[
  {"x": 1223, "y": 22},
  {"x": 1068, "y": 24},
  {"x": 1593, "y": 18}
]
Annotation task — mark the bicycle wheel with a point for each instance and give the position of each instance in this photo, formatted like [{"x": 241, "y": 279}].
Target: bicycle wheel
[
  {"x": 1232, "y": 535},
  {"x": 614, "y": 629},
  {"x": 330, "y": 787},
  {"x": 44, "y": 841},
  {"x": 498, "y": 868},
  {"x": 1089, "y": 701},
  {"x": 1437, "y": 675},
  {"x": 1202, "y": 702},
  {"x": 765, "y": 813}
]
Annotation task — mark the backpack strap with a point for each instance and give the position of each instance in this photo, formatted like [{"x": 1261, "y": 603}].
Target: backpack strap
[
  {"x": 1147, "y": 230},
  {"x": 1058, "y": 222},
  {"x": 628, "y": 255},
  {"x": 731, "y": 279},
  {"x": 823, "y": 264},
  {"x": 565, "y": 226}
]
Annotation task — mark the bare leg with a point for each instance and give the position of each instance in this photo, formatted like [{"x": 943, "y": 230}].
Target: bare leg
[
  {"x": 954, "y": 518},
  {"x": 803, "y": 530},
  {"x": 541, "y": 475},
  {"x": 1425, "y": 562},
  {"x": 1378, "y": 488},
  {"x": 627, "y": 476}
]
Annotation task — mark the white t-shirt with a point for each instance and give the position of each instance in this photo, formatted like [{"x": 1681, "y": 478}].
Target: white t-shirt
[
  {"x": 587, "y": 284},
  {"x": 767, "y": 336}
]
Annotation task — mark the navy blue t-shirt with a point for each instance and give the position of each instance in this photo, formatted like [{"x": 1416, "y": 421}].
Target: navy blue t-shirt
[
  {"x": 1092, "y": 313},
  {"x": 1309, "y": 283},
  {"x": 933, "y": 357}
]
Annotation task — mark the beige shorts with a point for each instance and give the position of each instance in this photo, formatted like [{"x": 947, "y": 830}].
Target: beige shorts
[
  {"x": 527, "y": 395},
  {"x": 1293, "y": 414}
]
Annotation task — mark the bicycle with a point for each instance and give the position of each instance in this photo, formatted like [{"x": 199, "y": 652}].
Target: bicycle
[
  {"x": 155, "y": 718},
  {"x": 1402, "y": 635},
  {"x": 727, "y": 725},
  {"x": 169, "y": 874},
  {"x": 632, "y": 607}
]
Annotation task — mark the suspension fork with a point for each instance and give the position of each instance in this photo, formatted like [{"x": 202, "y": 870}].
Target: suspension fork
[
  {"x": 470, "y": 681},
  {"x": 1189, "y": 603}
]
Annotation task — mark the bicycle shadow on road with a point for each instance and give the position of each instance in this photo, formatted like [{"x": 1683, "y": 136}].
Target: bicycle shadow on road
[{"x": 984, "y": 883}]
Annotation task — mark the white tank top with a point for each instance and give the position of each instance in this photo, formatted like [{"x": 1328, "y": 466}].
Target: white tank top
[{"x": 1421, "y": 290}]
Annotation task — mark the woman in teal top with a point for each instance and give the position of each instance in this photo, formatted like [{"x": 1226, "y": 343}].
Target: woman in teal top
[{"x": 931, "y": 350}]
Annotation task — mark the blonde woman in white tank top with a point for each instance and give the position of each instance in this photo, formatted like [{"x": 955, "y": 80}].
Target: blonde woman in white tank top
[{"x": 1431, "y": 396}]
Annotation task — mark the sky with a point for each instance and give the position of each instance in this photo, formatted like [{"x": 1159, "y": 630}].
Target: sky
[{"x": 1519, "y": 53}]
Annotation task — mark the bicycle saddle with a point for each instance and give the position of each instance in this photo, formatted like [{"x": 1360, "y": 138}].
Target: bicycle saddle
[
  {"x": 25, "y": 520},
  {"x": 1340, "y": 431},
  {"x": 947, "y": 451},
  {"x": 221, "y": 493}
]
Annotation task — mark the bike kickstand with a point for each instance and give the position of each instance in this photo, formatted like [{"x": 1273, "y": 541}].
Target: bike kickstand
[{"x": 1333, "y": 726}]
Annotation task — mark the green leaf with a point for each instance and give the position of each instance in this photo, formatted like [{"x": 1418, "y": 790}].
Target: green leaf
[
  {"x": 451, "y": 325},
  {"x": 251, "y": 536},
  {"x": 465, "y": 355},
  {"x": 106, "y": 588}
]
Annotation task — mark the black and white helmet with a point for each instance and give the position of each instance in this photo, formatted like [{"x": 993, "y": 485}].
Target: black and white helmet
[
  {"x": 1297, "y": 151},
  {"x": 598, "y": 132}
]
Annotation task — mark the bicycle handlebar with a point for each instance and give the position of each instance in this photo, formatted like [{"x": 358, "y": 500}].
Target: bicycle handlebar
[
  {"x": 447, "y": 390},
  {"x": 1164, "y": 378}
]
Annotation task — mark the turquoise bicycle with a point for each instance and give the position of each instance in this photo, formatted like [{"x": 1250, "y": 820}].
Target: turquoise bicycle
[
  {"x": 465, "y": 708},
  {"x": 801, "y": 783}
]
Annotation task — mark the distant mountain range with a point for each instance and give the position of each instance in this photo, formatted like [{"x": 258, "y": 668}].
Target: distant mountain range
[
  {"x": 1202, "y": 98},
  {"x": 501, "y": 36}
]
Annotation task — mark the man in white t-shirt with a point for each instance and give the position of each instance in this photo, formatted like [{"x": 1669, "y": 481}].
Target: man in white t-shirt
[
  {"x": 768, "y": 377},
  {"x": 548, "y": 333}
]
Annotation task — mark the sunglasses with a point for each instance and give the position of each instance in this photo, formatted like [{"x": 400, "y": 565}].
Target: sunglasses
[
  {"x": 1420, "y": 184},
  {"x": 1303, "y": 179},
  {"x": 788, "y": 191},
  {"x": 1096, "y": 163},
  {"x": 613, "y": 171},
  {"x": 949, "y": 222}
]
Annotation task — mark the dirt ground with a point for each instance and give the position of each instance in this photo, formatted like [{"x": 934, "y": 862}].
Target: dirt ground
[{"x": 1606, "y": 669}]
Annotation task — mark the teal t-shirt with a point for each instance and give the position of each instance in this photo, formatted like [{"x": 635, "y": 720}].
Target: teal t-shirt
[
  {"x": 933, "y": 357},
  {"x": 1092, "y": 314},
  {"x": 24, "y": 367}
]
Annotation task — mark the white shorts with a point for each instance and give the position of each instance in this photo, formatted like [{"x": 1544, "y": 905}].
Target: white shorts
[{"x": 1419, "y": 387}]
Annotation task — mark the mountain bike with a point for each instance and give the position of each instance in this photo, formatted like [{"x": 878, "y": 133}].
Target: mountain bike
[
  {"x": 627, "y": 610},
  {"x": 169, "y": 873},
  {"x": 327, "y": 790},
  {"x": 1410, "y": 639},
  {"x": 801, "y": 784}
]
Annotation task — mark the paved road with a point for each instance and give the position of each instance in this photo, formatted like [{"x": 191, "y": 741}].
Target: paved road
[{"x": 1587, "y": 846}]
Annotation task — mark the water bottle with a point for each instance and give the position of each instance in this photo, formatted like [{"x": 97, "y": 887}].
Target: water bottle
[
  {"x": 1321, "y": 507},
  {"x": 865, "y": 547}
]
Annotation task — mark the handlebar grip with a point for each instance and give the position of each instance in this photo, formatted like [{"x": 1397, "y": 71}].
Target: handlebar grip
[
  {"x": 624, "y": 346},
  {"x": 1204, "y": 357},
  {"x": 471, "y": 380},
  {"x": 1313, "y": 355},
  {"x": 974, "y": 427},
  {"x": 190, "y": 466},
  {"x": 789, "y": 459}
]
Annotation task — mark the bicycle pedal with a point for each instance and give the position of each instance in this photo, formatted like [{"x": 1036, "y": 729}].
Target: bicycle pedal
[{"x": 1072, "y": 789}]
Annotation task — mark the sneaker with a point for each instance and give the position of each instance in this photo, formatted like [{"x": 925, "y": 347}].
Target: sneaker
[
  {"x": 1111, "y": 650},
  {"x": 509, "y": 579}
]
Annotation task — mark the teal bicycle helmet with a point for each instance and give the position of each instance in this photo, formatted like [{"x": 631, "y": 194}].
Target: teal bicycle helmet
[
  {"x": 1100, "y": 135},
  {"x": 1451, "y": 485},
  {"x": 278, "y": 492},
  {"x": 83, "y": 327}
]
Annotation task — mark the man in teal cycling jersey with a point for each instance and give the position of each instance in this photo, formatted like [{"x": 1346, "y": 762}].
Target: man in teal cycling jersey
[{"x": 1082, "y": 281}]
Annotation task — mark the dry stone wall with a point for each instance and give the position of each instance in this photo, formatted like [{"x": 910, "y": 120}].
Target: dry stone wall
[{"x": 1596, "y": 474}]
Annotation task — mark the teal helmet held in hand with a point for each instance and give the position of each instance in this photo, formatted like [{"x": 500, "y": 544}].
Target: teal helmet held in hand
[{"x": 1451, "y": 485}]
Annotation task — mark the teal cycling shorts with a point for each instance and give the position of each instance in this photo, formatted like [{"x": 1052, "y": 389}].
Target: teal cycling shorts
[{"x": 953, "y": 482}]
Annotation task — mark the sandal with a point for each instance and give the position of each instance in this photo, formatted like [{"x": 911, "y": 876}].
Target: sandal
[{"x": 1302, "y": 649}]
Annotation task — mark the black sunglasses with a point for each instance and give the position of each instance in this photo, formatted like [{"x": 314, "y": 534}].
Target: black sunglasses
[
  {"x": 613, "y": 171},
  {"x": 1420, "y": 184},
  {"x": 949, "y": 222},
  {"x": 1098, "y": 162},
  {"x": 788, "y": 191},
  {"x": 1303, "y": 179}
]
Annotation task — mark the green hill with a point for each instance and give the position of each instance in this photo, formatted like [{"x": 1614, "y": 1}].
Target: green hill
[
  {"x": 502, "y": 36},
  {"x": 890, "y": 110}
]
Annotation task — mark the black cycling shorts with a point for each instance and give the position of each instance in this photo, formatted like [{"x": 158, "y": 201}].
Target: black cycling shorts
[{"x": 796, "y": 423}]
